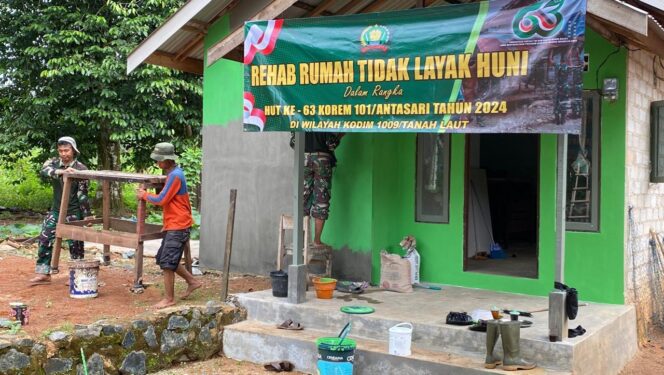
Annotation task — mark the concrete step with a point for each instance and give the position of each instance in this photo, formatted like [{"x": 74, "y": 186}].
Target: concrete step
[
  {"x": 259, "y": 342},
  {"x": 609, "y": 343}
]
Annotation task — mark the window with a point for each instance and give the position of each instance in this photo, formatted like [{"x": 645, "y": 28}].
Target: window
[
  {"x": 657, "y": 141},
  {"x": 432, "y": 192},
  {"x": 582, "y": 208}
]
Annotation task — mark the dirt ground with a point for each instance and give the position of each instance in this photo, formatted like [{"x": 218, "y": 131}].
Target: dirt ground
[
  {"x": 50, "y": 306},
  {"x": 217, "y": 366},
  {"x": 650, "y": 358}
]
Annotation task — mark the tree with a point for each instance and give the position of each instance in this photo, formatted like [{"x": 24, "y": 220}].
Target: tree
[{"x": 63, "y": 72}]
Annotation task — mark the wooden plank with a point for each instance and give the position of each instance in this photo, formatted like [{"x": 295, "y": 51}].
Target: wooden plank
[
  {"x": 229, "y": 245},
  {"x": 97, "y": 235},
  {"x": 119, "y": 176},
  {"x": 64, "y": 204},
  {"x": 106, "y": 217},
  {"x": 129, "y": 226},
  {"x": 140, "y": 231},
  {"x": 621, "y": 14},
  {"x": 82, "y": 223},
  {"x": 235, "y": 38}
]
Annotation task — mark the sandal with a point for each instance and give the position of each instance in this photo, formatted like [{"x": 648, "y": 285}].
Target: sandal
[{"x": 290, "y": 325}]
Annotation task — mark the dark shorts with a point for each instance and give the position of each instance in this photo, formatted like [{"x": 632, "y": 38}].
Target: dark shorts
[{"x": 170, "y": 252}]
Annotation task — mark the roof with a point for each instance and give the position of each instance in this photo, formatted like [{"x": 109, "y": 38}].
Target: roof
[{"x": 178, "y": 42}]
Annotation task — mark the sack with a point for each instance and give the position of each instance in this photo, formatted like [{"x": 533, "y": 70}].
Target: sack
[
  {"x": 413, "y": 258},
  {"x": 395, "y": 273}
]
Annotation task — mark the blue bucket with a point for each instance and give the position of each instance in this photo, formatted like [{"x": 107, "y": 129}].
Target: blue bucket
[
  {"x": 83, "y": 278},
  {"x": 335, "y": 356}
]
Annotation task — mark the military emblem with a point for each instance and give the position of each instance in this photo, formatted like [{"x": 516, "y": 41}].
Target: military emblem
[{"x": 374, "y": 37}]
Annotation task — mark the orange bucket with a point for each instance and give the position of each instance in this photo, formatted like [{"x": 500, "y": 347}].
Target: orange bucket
[{"x": 324, "y": 287}]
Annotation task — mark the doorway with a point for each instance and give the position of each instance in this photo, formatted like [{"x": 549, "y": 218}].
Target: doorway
[{"x": 501, "y": 205}]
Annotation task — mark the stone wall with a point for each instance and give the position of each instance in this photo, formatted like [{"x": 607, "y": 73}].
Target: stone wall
[
  {"x": 139, "y": 346},
  {"x": 645, "y": 200}
]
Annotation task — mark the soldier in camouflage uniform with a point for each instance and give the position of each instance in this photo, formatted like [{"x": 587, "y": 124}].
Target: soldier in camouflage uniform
[
  {"x": 319, "y": 160},
  {"x": 79, "y": 206}
]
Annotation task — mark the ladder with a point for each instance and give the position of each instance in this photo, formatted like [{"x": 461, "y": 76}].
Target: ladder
[{"x": 579, "y": 207}]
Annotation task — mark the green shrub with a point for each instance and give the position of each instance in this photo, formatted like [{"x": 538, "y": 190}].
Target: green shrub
[{"x": 21, "y": 186}]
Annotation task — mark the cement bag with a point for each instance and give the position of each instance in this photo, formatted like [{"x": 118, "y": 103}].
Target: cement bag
[
  {"x": 413, "y": 258},
  {"x": 395, "y": 273}
]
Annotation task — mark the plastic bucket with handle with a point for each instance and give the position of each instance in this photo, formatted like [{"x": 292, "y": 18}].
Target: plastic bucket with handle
[
  {"x": 83, "y": 278},
  {"x": 400, "y": 338}
]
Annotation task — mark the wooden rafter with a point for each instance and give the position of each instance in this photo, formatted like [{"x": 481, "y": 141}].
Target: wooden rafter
[
  {"x": 322, "y": 7},
  {"x": 192, "y": 45},
  {"x": 374, "y": 6},
  {"x": 349, "y": 6},
  {"x": 166, "y": 59}
]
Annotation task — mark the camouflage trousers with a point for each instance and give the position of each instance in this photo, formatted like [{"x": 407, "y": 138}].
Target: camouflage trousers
[
  {"x": 46, "y": 238},
  {"x": 317, "y": 185}
]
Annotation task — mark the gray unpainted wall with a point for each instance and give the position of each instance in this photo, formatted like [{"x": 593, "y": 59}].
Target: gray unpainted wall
[{"x": 260, "y": 167}]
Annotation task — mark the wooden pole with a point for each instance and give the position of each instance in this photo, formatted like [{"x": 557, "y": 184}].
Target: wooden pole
[
  {"x": 64, "y": 204},
  {"x": 138, "y": 258},
  {"x": 229, "y": 245},
  {"x": 106, "y": 217}
]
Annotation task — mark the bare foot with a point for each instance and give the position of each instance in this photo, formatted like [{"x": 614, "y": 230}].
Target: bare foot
[
  {"x": 164, "y": 303},
  {"x": 190, "y": 289},
  {"x": 40, "y": 280},
  {"x": 320, "y": 244}
]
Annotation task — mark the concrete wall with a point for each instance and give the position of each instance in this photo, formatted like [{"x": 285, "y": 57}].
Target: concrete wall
[
  {"x": 645, "y": 200},
  {"x": 259, "y": 166}
]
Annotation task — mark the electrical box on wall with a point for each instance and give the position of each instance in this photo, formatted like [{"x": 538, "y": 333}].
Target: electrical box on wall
[{"x": 610, "y": 89}]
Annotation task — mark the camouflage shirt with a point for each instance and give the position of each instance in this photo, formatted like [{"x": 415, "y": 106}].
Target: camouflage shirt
[{"x": 78, "y": 197}]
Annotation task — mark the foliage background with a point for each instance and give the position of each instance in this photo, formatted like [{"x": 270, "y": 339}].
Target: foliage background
[{"x": 63, "y": 72}]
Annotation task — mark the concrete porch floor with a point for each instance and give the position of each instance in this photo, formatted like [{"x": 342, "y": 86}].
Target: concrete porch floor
[{"x": 438, "y": 348}]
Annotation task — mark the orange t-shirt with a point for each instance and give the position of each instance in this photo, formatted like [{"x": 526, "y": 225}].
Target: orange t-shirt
[{"x": 174, "y": 198}]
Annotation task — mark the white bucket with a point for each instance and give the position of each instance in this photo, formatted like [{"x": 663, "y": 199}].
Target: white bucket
[
  {"x": 83, "y": 278},
  {"x": 400, "y": 337}
]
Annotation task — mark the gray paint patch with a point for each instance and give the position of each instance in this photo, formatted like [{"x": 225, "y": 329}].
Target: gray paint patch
[
  {"x": 351, "y": 265},
  {"x": 260, "y": 167}
]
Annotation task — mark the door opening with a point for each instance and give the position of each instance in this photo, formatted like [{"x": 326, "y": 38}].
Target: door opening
[{"x": 501, "y": 204}]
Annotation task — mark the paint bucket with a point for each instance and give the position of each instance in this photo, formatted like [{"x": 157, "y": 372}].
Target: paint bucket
[
  {"x": 335, "y": 355},
  {"x": 19, "y": 312},
  {"x": 400, "y": 338},
  {"x": 83, "y": 278},
  {"x": 279, "y": 283}
]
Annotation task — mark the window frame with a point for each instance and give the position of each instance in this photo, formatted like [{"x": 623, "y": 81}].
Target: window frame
[
  {"x": 444, "y": 218},
  {"x": 656, "y": 138},
  {"x": 595, "y": 169}
]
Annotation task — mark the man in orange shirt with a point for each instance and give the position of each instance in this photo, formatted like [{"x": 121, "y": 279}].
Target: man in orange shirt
[{"x": 174, "y": 198}]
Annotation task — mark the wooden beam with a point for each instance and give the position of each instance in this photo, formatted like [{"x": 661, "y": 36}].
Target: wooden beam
[
  {"x": 322, "y": 7},
  {"x": 166, "y": 59},
  {"x": 349, "y": 6},
  {"x": 621, "y": 14},
  {"x": 373, "y": 7},
  {"x": 235, "y": 38},
  {"x": 192, "y": 45}
]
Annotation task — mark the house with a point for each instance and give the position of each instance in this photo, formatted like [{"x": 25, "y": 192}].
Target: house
[{"x": 493, "y": 188}]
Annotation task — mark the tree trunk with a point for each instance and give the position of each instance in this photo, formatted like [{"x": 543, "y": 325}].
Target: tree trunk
[{"x": 109, "y": 160}]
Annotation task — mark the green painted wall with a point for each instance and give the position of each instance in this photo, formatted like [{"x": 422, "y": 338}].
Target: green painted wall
[
  {"x": 373, "y": 204},
  {"x": 374, "y": 192},
  {"x": 222, "y": 82}
]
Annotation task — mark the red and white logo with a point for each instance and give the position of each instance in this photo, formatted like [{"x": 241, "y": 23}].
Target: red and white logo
[
  {"x": 261, "y": 41},
  {"x": 251, "y": 115}
]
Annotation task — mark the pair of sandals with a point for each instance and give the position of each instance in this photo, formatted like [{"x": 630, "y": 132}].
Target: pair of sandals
[
  {"x": 290, "y": 325},
  {"x": 284, "y": 366}
]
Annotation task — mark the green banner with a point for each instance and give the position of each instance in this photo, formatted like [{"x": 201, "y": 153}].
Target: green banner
[{"x": 503, "y": 66}]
